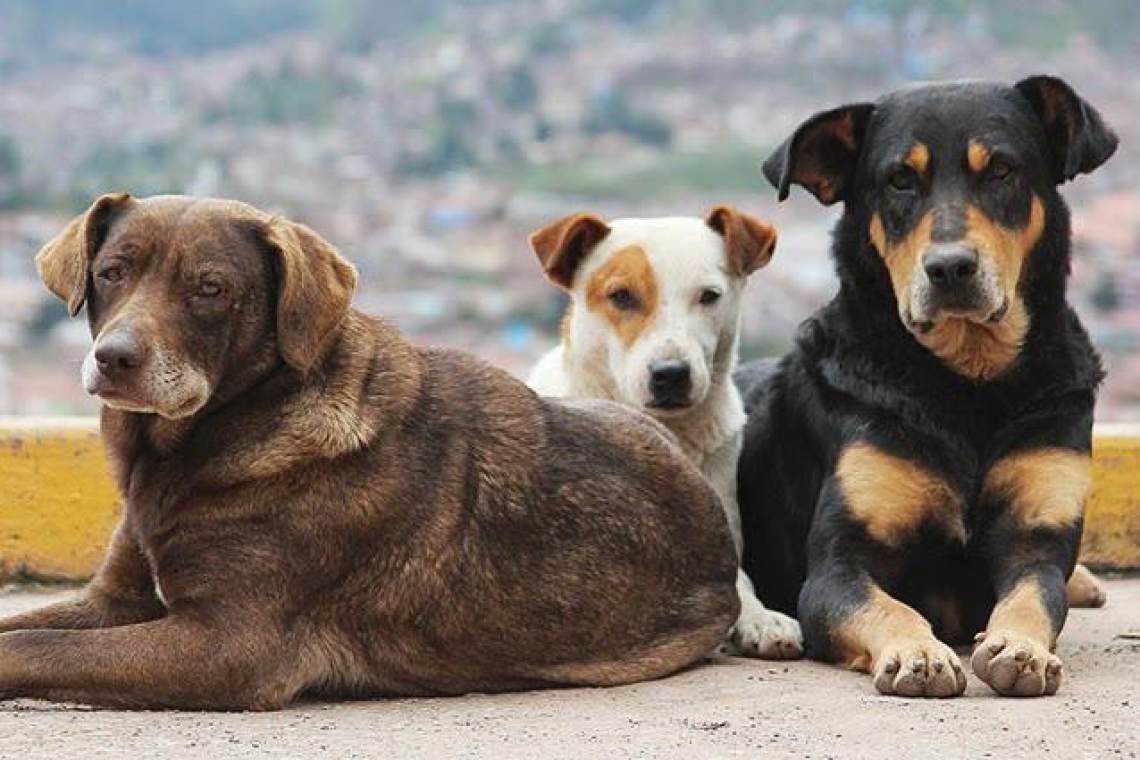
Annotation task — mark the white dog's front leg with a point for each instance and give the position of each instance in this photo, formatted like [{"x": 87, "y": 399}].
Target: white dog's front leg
[{"x": 761, "y": 632}]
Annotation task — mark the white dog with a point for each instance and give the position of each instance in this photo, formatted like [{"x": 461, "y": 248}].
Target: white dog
[{"x": 654, "y": 324}]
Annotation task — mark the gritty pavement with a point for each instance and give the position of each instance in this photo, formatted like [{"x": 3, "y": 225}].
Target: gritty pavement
[{"x": 729, "y": 708}]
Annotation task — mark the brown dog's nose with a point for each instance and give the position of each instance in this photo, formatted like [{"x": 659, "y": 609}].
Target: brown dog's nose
[
  {"x": 119, "y": 353},
  {"x": 950, "y": 266}
]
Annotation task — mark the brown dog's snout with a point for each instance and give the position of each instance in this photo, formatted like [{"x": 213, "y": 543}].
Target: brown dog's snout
[
  {"x": 119, "y": 353},
  {"x": 950, "y": 267}
]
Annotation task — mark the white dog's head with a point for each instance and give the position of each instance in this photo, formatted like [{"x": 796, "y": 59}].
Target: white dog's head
[{"x": 656, "y": 302}]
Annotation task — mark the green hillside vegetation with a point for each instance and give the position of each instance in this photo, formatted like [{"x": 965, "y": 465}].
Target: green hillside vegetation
[{"x": 175, "y": 27}]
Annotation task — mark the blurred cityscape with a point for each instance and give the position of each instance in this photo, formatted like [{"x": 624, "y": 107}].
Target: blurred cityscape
[{"x": 427, "y": 139}]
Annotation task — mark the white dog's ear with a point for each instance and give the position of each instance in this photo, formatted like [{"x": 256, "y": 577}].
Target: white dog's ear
[
  {"x": 562, "y": 247},
  {"x": 749, "y": 242}
]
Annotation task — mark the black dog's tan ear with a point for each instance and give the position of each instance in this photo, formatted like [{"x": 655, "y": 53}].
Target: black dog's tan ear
[
  {"x": 563, "y": 246},
  {"x": 315, "y": 287},
  {"x": 64, "y": 261},
  {"x": 821, "y": 154},
  {"x": 1078, "y": 136},
  {"x": 749, "y": 242}
]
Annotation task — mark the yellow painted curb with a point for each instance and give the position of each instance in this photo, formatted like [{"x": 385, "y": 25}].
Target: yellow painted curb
[
  {"x": 1112, "y": 519},
  {"x": 58, "y": 504}
]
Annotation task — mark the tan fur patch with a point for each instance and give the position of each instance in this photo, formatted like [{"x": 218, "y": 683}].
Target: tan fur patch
[
  {"x": 891, "y": 497},
  {"x": 1046, "y": 488},
  {"x": 1083, "y": 588},
  {"x": 918, "y": 158},
  {"x": 1023, "y": 611},
  {"x": 977, "y": 156},
  {"x": 881, "y": 620},
  {"x": 1008, "y": 248},
  {"x": 984, "y": 351},
  {"x": 628, "y": 268},
  {"x": 902, "y": 258},
  {"x": 980, "y": 351}
]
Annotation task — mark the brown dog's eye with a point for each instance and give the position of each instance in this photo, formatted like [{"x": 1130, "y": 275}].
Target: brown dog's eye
[
  {"x": 623, "y": 299},
  {"x": 111, "y": 274},
  {"x": 209, "y": 290},
  {"x": 709, "y": 297}
]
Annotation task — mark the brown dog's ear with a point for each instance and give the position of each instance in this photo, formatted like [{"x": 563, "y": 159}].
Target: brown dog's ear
[
  {"x": 821, "y": 154},
  {"x": 64, "y": 260},
  {"x": 314, "y": 290},
  {"x": 563, "y": 246},
  {"x": 749, "y": 242},
  {"x": 1079, "y": 139}
]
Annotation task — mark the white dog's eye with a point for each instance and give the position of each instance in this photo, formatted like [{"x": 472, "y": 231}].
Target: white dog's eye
[
  {"x": 709, "y": 297},
  {"x": 623, "y": 299}
]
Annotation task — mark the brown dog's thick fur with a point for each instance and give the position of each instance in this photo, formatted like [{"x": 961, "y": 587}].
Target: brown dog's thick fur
[{"x": 348, "y": 515}]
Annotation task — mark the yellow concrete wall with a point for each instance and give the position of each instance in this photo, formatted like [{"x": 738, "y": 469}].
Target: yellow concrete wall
[
  {"x": 58, "y": 506},
  {"x": 1112, "y": 520},
  {"x": 57, "y": 503}
]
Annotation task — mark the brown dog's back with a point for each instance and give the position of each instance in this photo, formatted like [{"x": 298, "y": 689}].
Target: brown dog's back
[{"x": 515, "y": 541}]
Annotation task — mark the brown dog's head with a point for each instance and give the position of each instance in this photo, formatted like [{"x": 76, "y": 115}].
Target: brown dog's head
[{"x": 191, "y": 299}]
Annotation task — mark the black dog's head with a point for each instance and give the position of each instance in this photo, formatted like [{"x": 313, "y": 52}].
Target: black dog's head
[{"x": 952, "y": 185}]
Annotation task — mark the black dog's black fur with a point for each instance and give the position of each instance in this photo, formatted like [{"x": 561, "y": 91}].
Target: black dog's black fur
[{"x": 858, "y": 374}]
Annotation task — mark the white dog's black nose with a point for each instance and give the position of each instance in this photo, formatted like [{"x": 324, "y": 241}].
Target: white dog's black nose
[{"x": 670, "y": 382}]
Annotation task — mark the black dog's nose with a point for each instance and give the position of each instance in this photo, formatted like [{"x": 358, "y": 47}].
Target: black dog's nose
[
  {"x": 670, "y": 382},
  {"x": 118, "y": 354},
  {"x": 948, "y": 266}
]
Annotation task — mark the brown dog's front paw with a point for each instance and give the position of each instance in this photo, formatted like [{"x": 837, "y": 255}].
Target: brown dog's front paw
[
  {"x": 919, "y": 668},
  {"x": 1016, "y": 666}
]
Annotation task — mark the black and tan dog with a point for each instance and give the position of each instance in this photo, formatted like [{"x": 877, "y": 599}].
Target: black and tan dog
[
  {"x": 917, "y": 468},
  {"x": 314, "y": 506}
]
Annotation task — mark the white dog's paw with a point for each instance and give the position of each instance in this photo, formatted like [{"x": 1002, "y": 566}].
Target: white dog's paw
[{"x": 760, "y": 632}]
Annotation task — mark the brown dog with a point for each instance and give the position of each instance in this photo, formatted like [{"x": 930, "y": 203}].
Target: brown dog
[{"x": 314, "y": 506}]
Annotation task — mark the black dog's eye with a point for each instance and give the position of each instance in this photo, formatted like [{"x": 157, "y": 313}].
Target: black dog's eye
[
  {"x": 111, "y": 274},
  {"x": 1000, "y": 168},
  {"x": 709, "y": 297},
  {"x": 623, "y": 299},
  {"x": 902, "y": 181}
]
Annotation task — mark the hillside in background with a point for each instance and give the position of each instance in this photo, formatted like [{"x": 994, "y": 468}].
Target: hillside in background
[
  {"x": 173, "y": 28},
  {"x": 427, "y": 139}
]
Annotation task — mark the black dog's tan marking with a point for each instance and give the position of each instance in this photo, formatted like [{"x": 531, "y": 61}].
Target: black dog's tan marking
[
  {"x": 916, "y": 469},
  {"x": 918, "y": 158},
  {"x": 892, "y": 497},
  {"x": 1015, "y": 653},
  {"x": 978, "y": 156},
  {"x": 896, "y": 645},
  {"x": 1045, "y": 488}
]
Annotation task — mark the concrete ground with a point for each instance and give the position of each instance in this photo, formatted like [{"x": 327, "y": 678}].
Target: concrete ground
[{"x": 730, "y": 708}]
